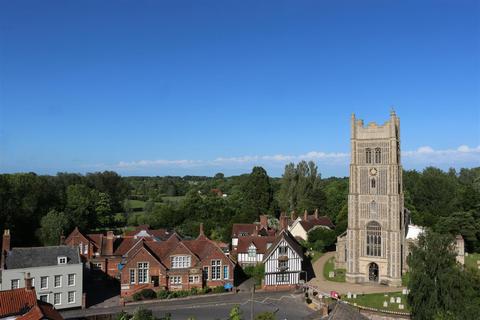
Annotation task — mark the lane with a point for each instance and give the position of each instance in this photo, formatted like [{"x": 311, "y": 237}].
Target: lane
[{"x": 286, "y": 305}]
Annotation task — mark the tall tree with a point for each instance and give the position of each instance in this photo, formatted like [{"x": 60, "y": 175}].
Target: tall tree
[
  {"x": 439, "y": 289},
  {"x": 258, "y": 193},
  {"x": 52, "y": 226}
]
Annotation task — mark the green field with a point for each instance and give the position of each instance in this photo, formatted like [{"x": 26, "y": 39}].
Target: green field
[
  {"x": 339, "y": 273},
  {"x": 471, "y": 260},
  {"x": 136, "y": 204},
  {"x": 174, "y": 199},
  {"x": 375, "y": 300}
]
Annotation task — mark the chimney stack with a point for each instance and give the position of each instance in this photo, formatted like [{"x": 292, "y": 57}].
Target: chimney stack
[
  {"x": 201, "y": 233},
  {"x": 28, "y": 281},
  {"x": 283, "y": 222},
  {"x": 5, "y": 247},
  {"x": 255, "y": 231},
  {"x": 316, "y": 213},
  {"x": 293, "y": 215},
  {"x": 264, "y": 221},
  {"x": 62, "y": 240},
  {"x": 305, "y": 215},
  {"x": 109, "y": 247}
]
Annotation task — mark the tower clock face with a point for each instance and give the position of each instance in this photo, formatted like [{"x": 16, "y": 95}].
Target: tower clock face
[{"x": 373, "y": 171}]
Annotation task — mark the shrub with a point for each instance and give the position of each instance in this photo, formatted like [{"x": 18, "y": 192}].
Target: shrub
[
  {"x": 137, "y": 296},
  {"x": 194, "y": 291},
  {"x": 206, "y": 290},
  {"x": 162, "y": 294},
  {"x": 218, "y": 289},
  {"x": 183, "y": 293},
  {"x": 148, "y": 294},
  {"x": 257, "y": 272}
]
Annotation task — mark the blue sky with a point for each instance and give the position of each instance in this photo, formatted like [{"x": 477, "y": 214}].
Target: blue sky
[{"x": 199, "y": 87}]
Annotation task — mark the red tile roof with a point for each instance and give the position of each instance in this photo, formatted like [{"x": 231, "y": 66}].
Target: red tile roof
[
  {"x": 23, "y": 304},
  {"x": 312, "y": 222},
  {"x": 259, "y": 242}
]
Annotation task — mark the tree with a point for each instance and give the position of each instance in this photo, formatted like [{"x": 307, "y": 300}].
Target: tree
[
  {"x": 236, "y": 313},
  {"x": 80, "y": 206},
  {"x": 321, "y": 239},
  {"x": 258, "y": 193},
  {"x": 301, "y": 188},
  {"x": 143, "y": 314},
  {"x": 53, "y": 225},
  {"x": 103, "y": 208},
  {"x": 438, "y": 287}
]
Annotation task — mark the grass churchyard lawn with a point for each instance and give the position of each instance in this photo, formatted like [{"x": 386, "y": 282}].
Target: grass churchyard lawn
[
  {"x": 339, "y": 274},
  {"x": 471, "y": 261},
  {"x": 377, "y": 300}
]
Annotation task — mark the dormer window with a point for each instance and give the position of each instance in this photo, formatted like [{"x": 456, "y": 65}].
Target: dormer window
[
  {"x": 181, "y": 261},
  {"x": 62, "y": 260}
]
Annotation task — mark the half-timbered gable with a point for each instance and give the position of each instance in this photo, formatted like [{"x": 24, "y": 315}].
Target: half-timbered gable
[
  {"x": 251, "y": 250},
  {"x": 283, "y": 262}
]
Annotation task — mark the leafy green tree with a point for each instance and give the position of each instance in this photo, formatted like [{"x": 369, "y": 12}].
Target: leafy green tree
[
  {"x": 301, "y": 188},
  {"x": 438, "y": 287},
  {"x": 322, "y": 239},
  {"x": 53, "y": 225},
  {"x": 257, "y": 191},
  {"x": 80, "y": 206},
  {"x": 236, "y": 313},
  {"x": 103, "y": 208}
]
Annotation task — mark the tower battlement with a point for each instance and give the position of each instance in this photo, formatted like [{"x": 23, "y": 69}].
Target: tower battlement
[{"x": 389, "y": 129}]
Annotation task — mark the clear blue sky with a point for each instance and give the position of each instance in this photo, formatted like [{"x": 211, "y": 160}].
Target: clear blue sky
[{"x": 198, "y": 87}]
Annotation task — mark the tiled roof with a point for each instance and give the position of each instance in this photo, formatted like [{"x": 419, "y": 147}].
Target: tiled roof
[
  {"x": 16, "y": 301},
  {"x": 239, "y": 228},
  {"x": 161, "y": 233},
  {"x": 287, "y": 236},
  {"x": 40, "y": 256},
  {"x": 259, "y": 242},
  {"x": 312, "y": 222}
]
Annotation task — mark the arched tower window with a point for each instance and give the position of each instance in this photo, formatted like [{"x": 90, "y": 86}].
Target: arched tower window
[
  {"x": 378, "y": 155},
  {"x": 374, "y": 239},
  {"x": 368, "y": 155}
]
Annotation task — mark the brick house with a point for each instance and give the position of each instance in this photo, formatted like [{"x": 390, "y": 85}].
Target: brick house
[
  {"x": 257, "y": 229},
  {"x": 156, "y": 259}
]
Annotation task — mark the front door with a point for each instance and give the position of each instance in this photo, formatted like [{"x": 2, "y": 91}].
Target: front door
[{"x": 373, "y": 272}]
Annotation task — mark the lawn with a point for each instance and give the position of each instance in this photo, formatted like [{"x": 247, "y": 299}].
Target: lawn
[
  {"x": 137, "y": 204},
  {"x": 330, "y": 266},
  {"x": 315, "y": 255},
  {"x": 375, "y": 300},
  {"x": 471, "y": 260}
]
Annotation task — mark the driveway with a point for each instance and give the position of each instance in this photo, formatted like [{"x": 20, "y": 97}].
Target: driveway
[{"x": 324, "y": 285}]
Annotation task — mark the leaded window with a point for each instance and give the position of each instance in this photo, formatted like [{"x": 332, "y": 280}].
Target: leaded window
[
  {"x": 283, "y": 277},
  {"x": 143, "y": 272},
  {"x": 216, "y": 270},
  {"x": 180, "y": 261},
  {"x": 374, "y": 239},
  {"x": 252, "y": 251}
]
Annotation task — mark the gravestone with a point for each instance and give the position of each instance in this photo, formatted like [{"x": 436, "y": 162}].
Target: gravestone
[
  {"x": 404, "y": 291},
  {"x": 401, "y": 306},
  {"x": 349, "y": 295},
  {"x": 392, "y": 299},
  {"x": 399, "y": 300},
  {"x": 331, "y": 274},
  {"x": 385, "y": 304},
  {"x": 354, "y": 296}
]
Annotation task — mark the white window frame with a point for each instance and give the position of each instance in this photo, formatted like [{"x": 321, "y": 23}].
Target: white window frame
[
  {"x": 282, "y": 278},
  {"x": 142, "y": 272},
  {"x": 184, "y": 261},
  {"x": 62, "y": 260},
  {"x": 57, "y": 294},
  {"x": 58, "y": 276},
  {"x": 252, "y": 251},
  {"x": 131, "y": 279},
  {"x": 46, "y": 282},
  {"x": 194, "y": 279},
  {"x": 97, "y": 265},
  {"x": 216, "y": 269},
  {"x": 68, "y": 297},
  {"x": 44, "y": 295},
  {"x": 17, "y": 283},
  {"x": 68, "y": 279},
  {"x": 175, "y": 280}
]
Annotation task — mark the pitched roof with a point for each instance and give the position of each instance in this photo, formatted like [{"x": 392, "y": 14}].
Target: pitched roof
[
  {"x": 23, "y": 304},
  {"x": 40, "y": 256},
  {"x": 259, "y": 242},
  {"x": 287, "y": 236},
  {"x": 312, "y": 222},
  {"x": 145, "y": 231},
  {"x": 239, "y": 228},
  {"x": 16, "y": 301}
]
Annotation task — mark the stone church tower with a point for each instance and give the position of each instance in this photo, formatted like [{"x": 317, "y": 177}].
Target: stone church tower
[{"x": 374, "y": 242}]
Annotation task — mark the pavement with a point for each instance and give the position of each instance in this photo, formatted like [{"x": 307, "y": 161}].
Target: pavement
[
  {"x": 285, "y": 305},
  {"x": 325, "y": 285}
]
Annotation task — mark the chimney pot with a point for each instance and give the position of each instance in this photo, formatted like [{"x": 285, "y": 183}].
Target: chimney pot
[
  {"x": 201, "y": 233},
  {"x": 305, "y": 215},
  {"x": 293, "y": 216},
  {"x": 5, "y": 247},
  {"x": 316, "y": 213}
]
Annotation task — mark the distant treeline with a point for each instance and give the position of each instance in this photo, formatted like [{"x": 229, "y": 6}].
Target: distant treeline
[{"x": 39, "y": 208}]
